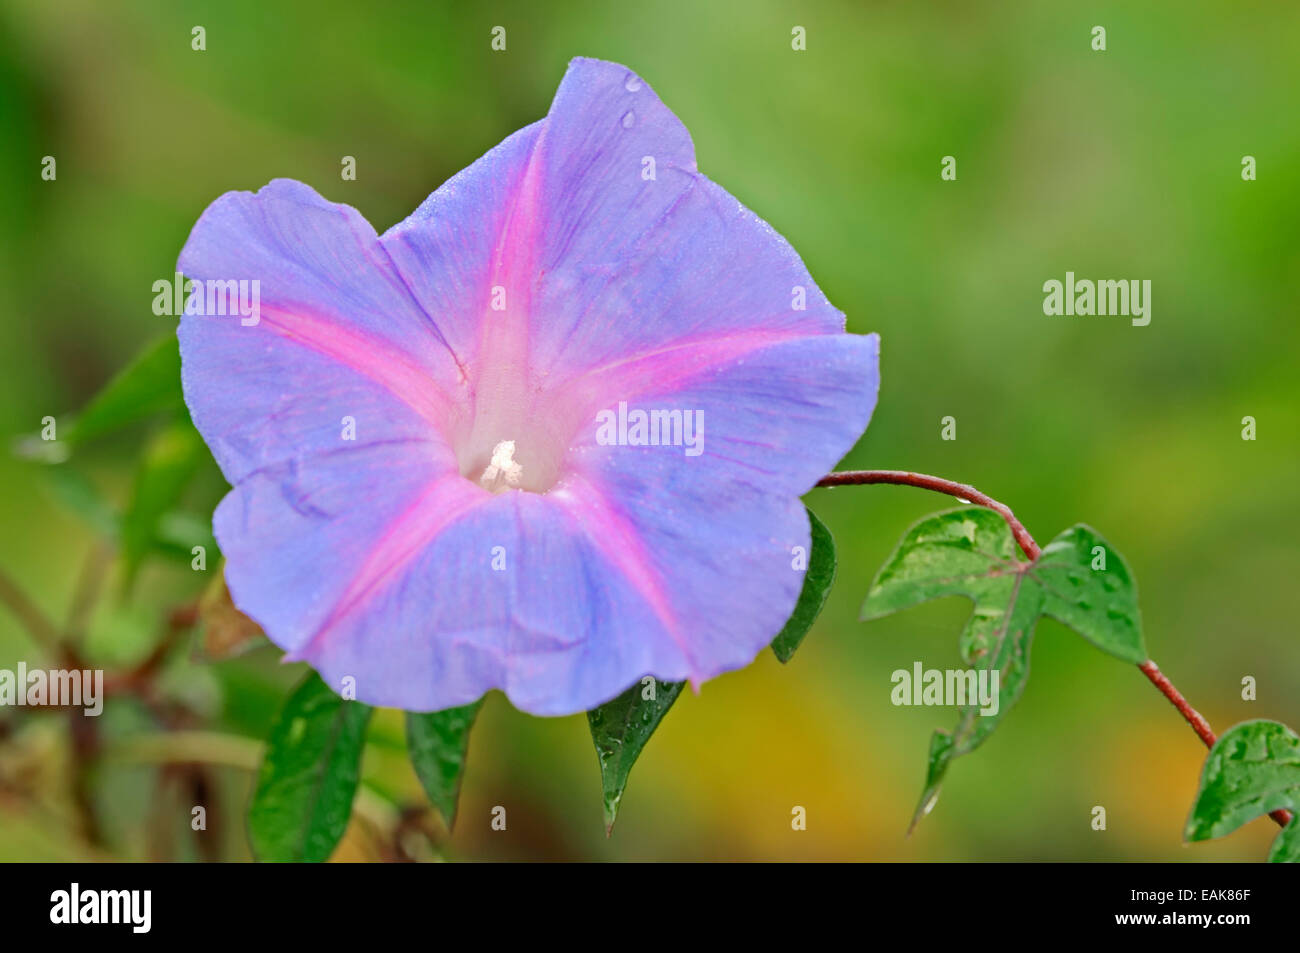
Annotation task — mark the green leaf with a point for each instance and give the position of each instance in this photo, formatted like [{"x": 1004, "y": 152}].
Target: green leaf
[
  {"x": 1253, "y": 769},
  {"x": 81, "y": 498},
  {"x": 309, "y": 775},
  {"x": 179, "y": 531},
  {"x": 1088, "y": 586},
  {"x": 150, "y": 384},
  {"x": 621, "y": 728},
  {"x": 170, "y": 460},
  {"x": 816, "y": 587},
  {"x": 1077, "y": 579},
  {"x": 438, "y": 742},
  {"x": 936, "y": 765}
]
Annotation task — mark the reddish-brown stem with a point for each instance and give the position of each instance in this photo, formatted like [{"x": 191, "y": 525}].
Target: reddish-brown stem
[
  {"x": 1031, "y": 549},
  {"x": 1194, "y": 717},
  {"x": 962, "y": 491},
  {"x": 1196, "y": 720}
]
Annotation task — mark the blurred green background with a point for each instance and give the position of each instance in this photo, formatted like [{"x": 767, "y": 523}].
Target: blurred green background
[{"x": 1117, "y": 164}]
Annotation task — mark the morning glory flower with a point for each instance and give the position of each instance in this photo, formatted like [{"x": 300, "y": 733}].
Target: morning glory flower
[{"x": 548, "y": 435}]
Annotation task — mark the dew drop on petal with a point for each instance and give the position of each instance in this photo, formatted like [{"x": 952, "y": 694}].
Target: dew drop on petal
[
  {"x": 632, "y": 83},
  {"x": 629, "y": 118}
]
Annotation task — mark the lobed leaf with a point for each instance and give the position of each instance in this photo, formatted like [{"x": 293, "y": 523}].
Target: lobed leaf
[
  {"x": 1077, "y": 579},
  {"x": 1252, "y": 770},
  {"x": 1101, "y": 605}
]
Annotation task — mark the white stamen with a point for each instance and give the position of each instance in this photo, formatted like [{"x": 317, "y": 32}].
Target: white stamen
[{"x": 502, "y": 468}]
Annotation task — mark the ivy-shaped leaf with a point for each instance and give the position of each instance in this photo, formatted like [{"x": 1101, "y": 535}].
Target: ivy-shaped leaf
[
  {"x": 309, "y": 775},
  {"x": 621, "y": 728},
  {"x": 1077, "y": 579},
  {"x": 437, "y": 743},
  {"x": 1253, "y": 769},
  {"x": 817, "y": 581}
]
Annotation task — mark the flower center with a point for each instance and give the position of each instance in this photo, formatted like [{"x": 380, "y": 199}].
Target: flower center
[
  {"x": 513, "y": 436},
  {"x": 511, "y": 458},
  {"x": 502, "y": 472}
]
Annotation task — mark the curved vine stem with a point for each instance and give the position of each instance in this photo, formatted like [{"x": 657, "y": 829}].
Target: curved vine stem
[
  {"x": 968, "y": 494},
  {"x": 962, "y": 491}
]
